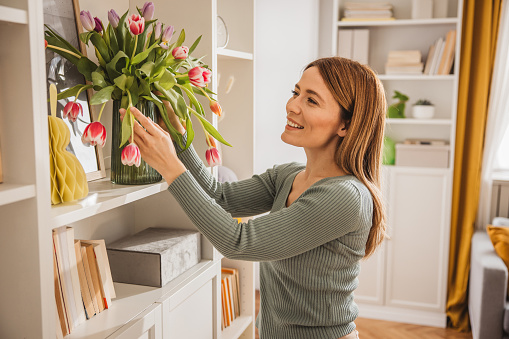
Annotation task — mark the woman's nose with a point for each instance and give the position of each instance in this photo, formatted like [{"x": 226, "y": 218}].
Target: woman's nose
[{"x": 293, "y": 106}]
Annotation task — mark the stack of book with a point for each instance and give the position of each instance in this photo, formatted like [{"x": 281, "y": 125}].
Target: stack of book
[
  {"x": 354, "y": 11},
  {"x": 82, "y": 278},
  {"x": 230, "y": 296},
  {"x": 404, "y": 62},
  {"x": 441, "y": 55}
]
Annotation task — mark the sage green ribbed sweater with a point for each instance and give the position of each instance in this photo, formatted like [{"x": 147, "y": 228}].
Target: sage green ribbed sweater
[{"x": 309, "y": 252}]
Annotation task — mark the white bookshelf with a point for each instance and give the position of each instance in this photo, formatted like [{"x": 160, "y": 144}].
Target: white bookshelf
[
  {"x": 190, "y": 303},
  {"x": 406, "y": 280}
]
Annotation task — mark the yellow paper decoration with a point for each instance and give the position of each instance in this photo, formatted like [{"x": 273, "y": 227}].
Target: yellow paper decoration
[{"x": 68, "y": 179}]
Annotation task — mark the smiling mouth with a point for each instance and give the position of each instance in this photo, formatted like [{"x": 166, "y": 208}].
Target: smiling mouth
[{"x": 292, "y": 124}]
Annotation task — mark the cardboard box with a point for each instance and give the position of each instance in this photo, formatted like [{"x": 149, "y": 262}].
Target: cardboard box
[
  {"x": 154, "y": 256},
  {"x": 422, "y": 155}
]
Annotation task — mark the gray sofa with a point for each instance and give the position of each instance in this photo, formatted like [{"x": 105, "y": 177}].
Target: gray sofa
[{"x": 487, "y": 304}]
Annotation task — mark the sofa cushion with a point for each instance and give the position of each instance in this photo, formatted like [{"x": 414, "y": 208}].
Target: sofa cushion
[{"x": 499, "y": 236}]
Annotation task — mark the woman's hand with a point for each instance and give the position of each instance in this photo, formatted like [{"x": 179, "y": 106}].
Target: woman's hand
[
  {"x": 156, "y": 146},
  {"x": 172, "y": 116}
]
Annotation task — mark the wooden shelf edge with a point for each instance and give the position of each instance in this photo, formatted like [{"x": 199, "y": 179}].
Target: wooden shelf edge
[
  {"x": 399, "y": 22},
  {"x": 237, "y": 327},
  {"x": 11, "y": 193},
  {"x": 13, "y": 15}
]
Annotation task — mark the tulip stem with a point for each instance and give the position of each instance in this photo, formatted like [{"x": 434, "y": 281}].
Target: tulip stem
[
  {"x": 203, "y": 91},
  {"x": 135, "y": 45},
  {"x": 101, "y": 112},
  {"x": 78, "y": 94},
  {"x": 180, "y": 75},
  {"x": 64, "y": 50}
]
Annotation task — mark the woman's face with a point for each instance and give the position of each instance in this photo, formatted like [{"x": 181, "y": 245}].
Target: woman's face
[{"x": 313, "y": 115}]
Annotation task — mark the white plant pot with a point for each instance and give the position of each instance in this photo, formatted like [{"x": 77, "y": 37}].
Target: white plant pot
[{"x": 423, "y": 111}]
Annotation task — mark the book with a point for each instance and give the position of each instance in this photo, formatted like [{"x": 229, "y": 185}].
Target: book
[
  {"x": 58, "y": 329},
  {"x": 432, "y": 142},
  {"x": 429, "y": 58},
  {"x": 94, "y": 273},
  {"x": 369, "y": 5},
  {"x": 437, "y": 56},
  {"x": 102, "y": 271},
  {"x": 88, "y": 276},
  {"x": 63, "y": 324},
  {"x": 345, "y": 41},
  {"x": 85, "y": 291},
  {"x": 367, "y": 19},
  {"x": 225, "y": 303},
  {"x": 76, "y": 288},
  {"x": 229, "y": 292},
  {"x": 104, "y": 261},
  {"x": 448, "y": 54},
  {"x": 360, "y": 45},
  {"x": 234, "y": 273},
  {"x": 404, "y": 57}
]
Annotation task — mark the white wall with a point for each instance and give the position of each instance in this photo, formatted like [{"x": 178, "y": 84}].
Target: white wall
[{"x": 286, "y": 40}]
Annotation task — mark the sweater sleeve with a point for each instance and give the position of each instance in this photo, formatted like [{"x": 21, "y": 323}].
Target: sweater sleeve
[{"x": 321, "y": 214}]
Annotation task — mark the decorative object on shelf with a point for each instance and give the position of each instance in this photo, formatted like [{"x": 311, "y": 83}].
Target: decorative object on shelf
[
  {"x": 135, "y": 65},
  {"x": 222, "y": 33},
  {"x": 64, "y": 75},
  {"x": 397, "y": 110},
  {"x": 389, "y": 151},
  {"x": 154, "y": 256},
  {"x": 354, "y": 11},
  {"x": 68, "y": 179},
  {"x": 404, "y": 62},
  {"x": 422, "y": 9},
  {"x": 423, "y": 109}
]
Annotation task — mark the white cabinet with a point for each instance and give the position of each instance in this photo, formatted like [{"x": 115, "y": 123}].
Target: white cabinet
[
  {"x": 406, "y": 279},
  {"x": 191, "y": 303}
]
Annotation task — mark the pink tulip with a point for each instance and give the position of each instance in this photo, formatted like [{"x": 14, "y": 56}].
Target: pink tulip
[
  {"x": 180, "y": 52},
  {"x": 72, "y": 110},
  {"x": 211, "y": 141},
  {"x": 87, "y": 20},
  {"x": 166, "y": 37},
  {"x": 113, "y": 18},
  {"x": 148, "y": 10},
  {"x": 157, "y": 30},
  {"x": 216, "y": 108},
  {"x": 136, "y": 24},
  {"x": 131, "y": 155},
  {"x": 94, "y": 134},
  {"x": 98, "y": 25},
  {"x": 199, "y": 76},
  {"x": 212, "y": 156}
]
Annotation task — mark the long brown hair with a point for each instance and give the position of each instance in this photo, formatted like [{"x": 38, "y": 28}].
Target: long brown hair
[{"x": 361, "y": 96}]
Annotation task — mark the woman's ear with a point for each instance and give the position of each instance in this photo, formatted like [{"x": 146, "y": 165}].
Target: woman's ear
[{"x": 343, "y": 129}]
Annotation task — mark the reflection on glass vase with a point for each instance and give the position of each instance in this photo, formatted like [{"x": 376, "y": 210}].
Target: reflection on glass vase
[{"x": 130, "y": 175}]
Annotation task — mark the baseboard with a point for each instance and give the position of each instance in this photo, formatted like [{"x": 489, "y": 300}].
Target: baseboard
[{"x": 403, "y": 315}]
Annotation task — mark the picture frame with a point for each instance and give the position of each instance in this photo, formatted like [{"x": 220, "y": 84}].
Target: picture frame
[{"x": 63, "y": 16}]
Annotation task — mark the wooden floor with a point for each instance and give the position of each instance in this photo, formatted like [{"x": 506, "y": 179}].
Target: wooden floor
[{"x": 377, "y": 329}]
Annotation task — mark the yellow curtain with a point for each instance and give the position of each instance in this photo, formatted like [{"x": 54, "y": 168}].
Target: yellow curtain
[{"x": 478, "y": 45}]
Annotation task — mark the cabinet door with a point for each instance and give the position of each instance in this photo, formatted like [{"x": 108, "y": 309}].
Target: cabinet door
[
  {"x": 147, "y": 325},
  {"x": 417, "y": 253}
]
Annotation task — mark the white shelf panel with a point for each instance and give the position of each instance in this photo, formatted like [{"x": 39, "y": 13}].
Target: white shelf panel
[
  {"x": 132, "y": 300},
  {"x": 416, "y": 77},
  {"x": 237, "y": 327},
  {"x": 103, "y": 196},
  {"x": 402, "y": 22},
  {"x": 13, "y": 15},
  {"x": 225, "y": 54},
  {"x": 412, "y": 121},
  {"x": 10, "y": 193},
  {"x": 418, "y": 170}
]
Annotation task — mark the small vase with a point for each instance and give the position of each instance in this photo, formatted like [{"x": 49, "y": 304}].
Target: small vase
[{"x": 130, "y": 175}]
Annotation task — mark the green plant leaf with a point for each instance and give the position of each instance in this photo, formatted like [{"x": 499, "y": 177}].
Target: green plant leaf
[
  {"x": 71, "y": 92},
  {"x": 196, "y": 42},
  {"x": 64, "y": 43},
  {"x": 142, "y": 56},
  {"x": 110, "y": 31},
  {"x": 181, "y": 39},
  {"x": 98, "y": 79},
  {"x": 164, "y": 115},
  {"x": 182, "y": 106},
  {"x": 190, "y": 132},
  {"x": 133, "y": 89},
  {"x": 210, "y": 129},
  {"x": 112, "y": 67},
  {"x": 101, "y": 46},
  {"x": 126, "y": 128},
  {"x": 147, "y": 68},
  {"x": 167, "y": 81},
  {"x": 85, "y": 37},
  {"x": 189, "y": 91},
  {"x": 102, "y": 96},
  {"x": 86, "y": 67},
  {"x": 121, "y": 32},
  {"x": 120, "y": 81},
  {"x": 144, "y": 87}
]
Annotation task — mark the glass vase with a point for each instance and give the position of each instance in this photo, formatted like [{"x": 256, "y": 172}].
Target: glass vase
[{"x": 130, "y": 175}]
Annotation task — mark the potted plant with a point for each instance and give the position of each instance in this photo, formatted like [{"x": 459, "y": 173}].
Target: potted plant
[{"x": 423, "y": 109}]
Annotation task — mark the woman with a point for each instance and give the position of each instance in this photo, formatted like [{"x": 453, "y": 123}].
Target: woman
[{"x": 324, "y": 216}]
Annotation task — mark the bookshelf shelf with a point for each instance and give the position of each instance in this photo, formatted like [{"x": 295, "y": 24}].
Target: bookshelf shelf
[
  {"x": 134, "y": 299},
  {"x": 13, "y": 15},
  {"x": 229, "y": 54},
  {"x": 385, "y": 77},
  {"x": 400, "y": 22},
  {"x": 237, "y": 327},
  {"x": 10, "y": 193},
  {"x": 411, "y": 121},
  {"x": 103, "y": 196}
]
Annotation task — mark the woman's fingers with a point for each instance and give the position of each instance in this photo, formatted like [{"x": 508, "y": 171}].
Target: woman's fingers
[{"x": 147, "y": 123}]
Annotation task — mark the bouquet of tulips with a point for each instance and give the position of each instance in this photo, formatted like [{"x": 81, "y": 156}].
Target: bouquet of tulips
[{"x": 137, "y": 61}]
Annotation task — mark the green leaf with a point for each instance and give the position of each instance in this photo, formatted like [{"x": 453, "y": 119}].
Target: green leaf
[
  {"x": 199, "y": 108},
  {"x": 181, "y": 38},
  {"x": 112, "y": 68},
  {"x": 71, "y": 92},
  {"x": 126, "y": 128},
  {"x": 191, "y": 49},
  {"x": 133, "y": 89},
  {"x": 190, "y": 132},
  {"x": 63, "y": 43},
  {"x": 144, "y": 87},
  {"x": 167, "y": 81},
  {"x": 110, "y": 31},
  {"x": 121, "y": 31},
  {"x": 86, "y": 67},
  {"x": 98, "y": 80},
  {"x": 102, "y": 96},
  {"x": 101, "y": 46},
  {"x": 120, "y": 82},
  {"x": 147, "y": 68},
  {"x": 142, "y": 56},
  {"x": 209, "y": 128},
  {"x": 182, "y": 106},
  {"x": 85, "y": 37}
]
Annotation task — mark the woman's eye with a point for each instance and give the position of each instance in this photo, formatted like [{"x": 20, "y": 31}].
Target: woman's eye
[
  {"x": 294, "y": 93},
  {"x": 312, "y": 101}
]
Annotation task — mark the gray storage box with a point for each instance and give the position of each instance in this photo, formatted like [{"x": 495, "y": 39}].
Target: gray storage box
[
  {"x": 422, "y": 155},
  {"x": 154, "y": 256}
]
